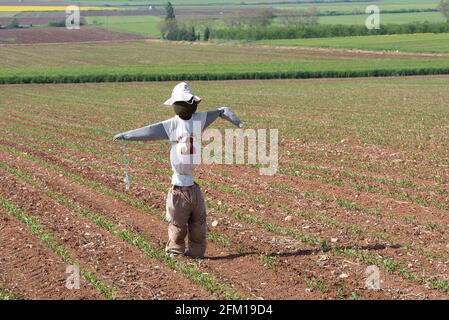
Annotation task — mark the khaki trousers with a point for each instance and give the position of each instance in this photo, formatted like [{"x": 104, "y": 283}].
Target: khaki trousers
[{"x": 186, "y": 214}]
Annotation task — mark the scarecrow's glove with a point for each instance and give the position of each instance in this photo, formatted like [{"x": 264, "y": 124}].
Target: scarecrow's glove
[
  {"x": 227, "y": 114},
  {"x": 119, "y": 136}
]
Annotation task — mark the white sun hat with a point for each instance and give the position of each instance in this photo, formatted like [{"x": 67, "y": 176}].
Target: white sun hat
[{"x": 181, "y": 92}]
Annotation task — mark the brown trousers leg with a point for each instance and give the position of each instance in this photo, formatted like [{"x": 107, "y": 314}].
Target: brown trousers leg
[
  {"x": 177, "y": 214},
  {"x": 186, "y": 213}
]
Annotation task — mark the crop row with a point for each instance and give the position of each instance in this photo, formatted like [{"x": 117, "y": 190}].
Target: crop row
[{"x": 222, "y": 69}]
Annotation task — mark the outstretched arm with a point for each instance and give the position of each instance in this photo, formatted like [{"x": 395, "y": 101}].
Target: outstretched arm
[
  {"x": 151, "y": 132},
  {"x": 224, "y": 113}
]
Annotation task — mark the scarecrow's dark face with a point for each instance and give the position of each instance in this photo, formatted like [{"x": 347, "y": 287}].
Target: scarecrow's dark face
[{"x": 185, "y": 109}]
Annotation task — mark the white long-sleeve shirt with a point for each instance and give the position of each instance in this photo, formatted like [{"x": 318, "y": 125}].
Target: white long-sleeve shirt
[
  {"x": 185, "y": 138},
  {"x": 185, "y": 153}
]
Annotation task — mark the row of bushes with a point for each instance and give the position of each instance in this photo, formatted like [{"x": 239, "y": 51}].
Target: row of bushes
[
  {"x": 323, "y": 31},
  {"x": 222, "y": 76},
  {"x": 14, "y": 24},
  {"x": 62, "y": 23}
]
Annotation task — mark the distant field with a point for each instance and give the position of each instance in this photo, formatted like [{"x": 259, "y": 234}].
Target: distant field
[
  {"x": 176, "y": 2},
  {"x": 149, "y": 54},
  {"x": 120, "y": 61},
  {"x": 277, "y": 4},
  {"x": 361, "y": 6},
  {"x": 222, "y": 69},
  {"x": 143, "y": 25},
  {"x": 385, "y": 18},
  {"x": 54, "y": 35},
  {"x": 430, "y": 43}
]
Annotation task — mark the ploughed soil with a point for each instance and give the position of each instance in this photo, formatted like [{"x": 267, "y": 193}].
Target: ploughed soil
[
  {"x": 62, "y": 35},
  {"x": 115, "y": 262},
  {"x": 304, "y": 233},
  {"x": 30, "y": 268},
  {"x": 239, "y": 262}
]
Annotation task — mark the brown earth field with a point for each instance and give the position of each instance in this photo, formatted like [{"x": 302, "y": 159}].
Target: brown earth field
[
  {"x": 203, "y": 11},
  {"x": 62, "y": 35},
  {"x": 312, "y": 231}
]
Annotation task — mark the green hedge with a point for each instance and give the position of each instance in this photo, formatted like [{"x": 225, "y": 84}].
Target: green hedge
[
  {"x": 324, "y": 31},
  {"x": 222, "y": 76}
]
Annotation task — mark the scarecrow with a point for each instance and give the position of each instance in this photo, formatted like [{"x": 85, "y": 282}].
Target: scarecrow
[{"x": 185, "y": 206}]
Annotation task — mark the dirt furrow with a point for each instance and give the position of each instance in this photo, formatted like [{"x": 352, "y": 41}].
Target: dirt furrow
[
  {"x": 437, "y": 198},
  {"x": 132, "y": 273},
  {"x": 370, "y": 159},
  {"x": 422, "y": 244},
  {"x": 414, "y": 187},
  {"x": 29, "y": 268},
  {"x": 350, "y": 211}
]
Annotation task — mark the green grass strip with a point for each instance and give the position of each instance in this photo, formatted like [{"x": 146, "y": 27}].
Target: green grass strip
[
  {"x": 202, "y": 76},
  {"x": 136, "y": 239},
  {"x": 32, "y": 224}
]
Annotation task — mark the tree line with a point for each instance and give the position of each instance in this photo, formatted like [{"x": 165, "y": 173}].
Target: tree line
[
  {"x": 171, "y": 30},
  {"x": 325, "y": 31},
  {"x": 301, "y": 24}
]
